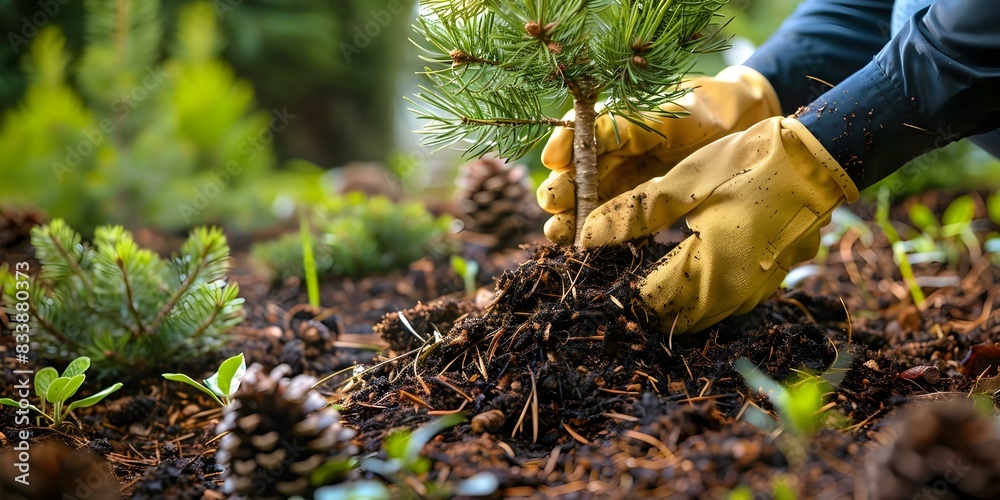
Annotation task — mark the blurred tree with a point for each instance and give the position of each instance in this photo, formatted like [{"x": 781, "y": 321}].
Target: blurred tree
[
  {"x": 169, "y": 143},
  {"x": 333, "y": 64}
]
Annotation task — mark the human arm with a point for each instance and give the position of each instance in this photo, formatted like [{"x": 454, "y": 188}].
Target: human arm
[
  {"x": 756, "y": 200},
  {"x": 936, "y": 82}
]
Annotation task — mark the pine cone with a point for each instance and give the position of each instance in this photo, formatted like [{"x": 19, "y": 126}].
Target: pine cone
[
  {"x": 940, "y": 450},
  {"x": 55, "y": 471},
  {"x": 495, "y": 200},
  {"x": 279, "y": 431}
]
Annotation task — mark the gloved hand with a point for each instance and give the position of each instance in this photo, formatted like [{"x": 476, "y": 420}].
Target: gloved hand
[
  {"x": 733, "y": 100},
  {"x": 755, "y": 201}
]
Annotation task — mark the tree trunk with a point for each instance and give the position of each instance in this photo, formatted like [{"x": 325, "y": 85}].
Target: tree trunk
[{"x": 585, "y": 154}]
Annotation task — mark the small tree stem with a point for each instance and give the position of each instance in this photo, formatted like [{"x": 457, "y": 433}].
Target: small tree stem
[{"x": 585, "y": 154}]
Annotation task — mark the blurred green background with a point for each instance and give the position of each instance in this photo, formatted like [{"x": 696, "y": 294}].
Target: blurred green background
[{"x": 173, "y": 114}]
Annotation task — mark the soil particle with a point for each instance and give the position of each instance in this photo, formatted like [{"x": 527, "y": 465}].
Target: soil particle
[{"x": 181, "y": 479}]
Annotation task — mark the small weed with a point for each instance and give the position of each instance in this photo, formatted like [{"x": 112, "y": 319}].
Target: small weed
[
  {"x": 467, "y": 269},
  {"x": 222, "y": 384},
  {"x": 51, "y": 387}
]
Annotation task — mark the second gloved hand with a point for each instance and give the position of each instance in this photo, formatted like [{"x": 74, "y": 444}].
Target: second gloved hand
[
  {"x": 733, "y": 100},
  {"x": 755, "y": 201}
]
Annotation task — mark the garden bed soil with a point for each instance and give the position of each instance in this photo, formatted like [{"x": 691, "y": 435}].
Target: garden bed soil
[{"x": 567, "y": 389}]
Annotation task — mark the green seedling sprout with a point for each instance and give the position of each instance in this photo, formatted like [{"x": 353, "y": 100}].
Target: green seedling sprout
[
  {"x": 403, "y": 460},
  {"x": 222, "y": 385},
  {"x": 954, "y": 230},
  {"x": 467, "y": 269},
  {"x": 898, "y": 247},
  {"x": 308, "y": 259},
  {"x": 50, "y": 387},
  {"x": 798, "y": 406}
]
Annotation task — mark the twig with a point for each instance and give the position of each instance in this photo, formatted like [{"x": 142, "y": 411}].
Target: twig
[
  {"x": 650, "y": 440},
  {"x": 534, "y": 408},
  {"x": 576, "y": 435}
]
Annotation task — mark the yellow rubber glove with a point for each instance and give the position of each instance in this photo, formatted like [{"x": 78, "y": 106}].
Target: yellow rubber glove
[
  {"x": 755, "y": 201},
  {"x": 733, "y": 100}
]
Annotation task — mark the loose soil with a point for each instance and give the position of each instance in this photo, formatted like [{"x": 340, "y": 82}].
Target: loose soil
[{"x": 567, "y": 389}]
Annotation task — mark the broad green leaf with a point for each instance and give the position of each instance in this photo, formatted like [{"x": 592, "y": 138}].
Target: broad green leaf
[
  {"x": 803, "y": 406},
  {"x": 924, "y": 219},
  {"x": 93, "y": 400},
  {"x": 459, "y": 264},
  {"x": 363, "y": 489},
  {"x": 330, "y": 471},
  {"x": 782, "y": 491},
  {"x": 180, "y": 377},
  {"x": 961, "y": 211},
  {"x": 55, "y": 389},
  {"x": 15, "y": 404},
  {"x": 43, "y": 378},
  {"x": 426, "y": 432},
  {"x": 78, "y": 366},
  {"x": 231, "y": 370},
  {"x": 71, "y": 387},
  {"x": 993, "y": 206},
  {"x": 395, "y": 444},
  {"x": 213, "y": 385}
]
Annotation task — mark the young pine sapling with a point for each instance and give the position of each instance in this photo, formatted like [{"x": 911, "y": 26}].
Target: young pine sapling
[{"x": 495, "y": 62}]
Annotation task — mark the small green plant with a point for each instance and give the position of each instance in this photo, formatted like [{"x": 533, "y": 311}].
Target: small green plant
[
  {"x": 122, "y": 306},
  {"x": 467, "y": 269},
  {"x": 356, "y": 236},
  {"x": 308, "y": 260},
  {"x": 222, "y": 384},
  {"x": 50, "y": 387},
  {"x": 403, "y": 461},
  {"x": 780, "y": 490},
  {"x": 952, "y": 235},
  {"x": 798, "y": 406},
  {"x": 899, "y": 248},
  {"x": 992, "y": 244}
]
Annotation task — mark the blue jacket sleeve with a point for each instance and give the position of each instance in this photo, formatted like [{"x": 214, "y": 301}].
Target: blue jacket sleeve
[
  {"x": 937, "y": 81},
  {"x": 822, "y": 41}
]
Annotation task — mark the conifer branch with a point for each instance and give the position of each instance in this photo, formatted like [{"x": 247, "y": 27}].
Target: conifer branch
[
  {"x": 201, "y": 329},
  {"x": 191, "y": 320},
  {"x": 206, "y": 258},
  {"x": 514, "y": 122},
  {"x": 48, "y": 326},
  {"x": 69, "y": 258},
  {"x": 130, "y": 297},
  {"x": 497, "y": 60}
]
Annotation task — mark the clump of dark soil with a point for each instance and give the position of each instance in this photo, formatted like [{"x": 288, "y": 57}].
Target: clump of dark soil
[{"x": 564, "y": 358}]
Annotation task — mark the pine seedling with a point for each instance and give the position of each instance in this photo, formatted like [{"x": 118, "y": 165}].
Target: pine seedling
[
  {"x": 123, "y": 306},
  {"x": 493, "y": 63}
]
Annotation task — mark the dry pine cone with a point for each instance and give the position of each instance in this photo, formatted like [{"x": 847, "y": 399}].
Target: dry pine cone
[
  {"x": 940, "y": 450},
  {"x": 279, "y": 431},
  {"x": 55, "y": 471},
  {"x": 495, "y": 200}
]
